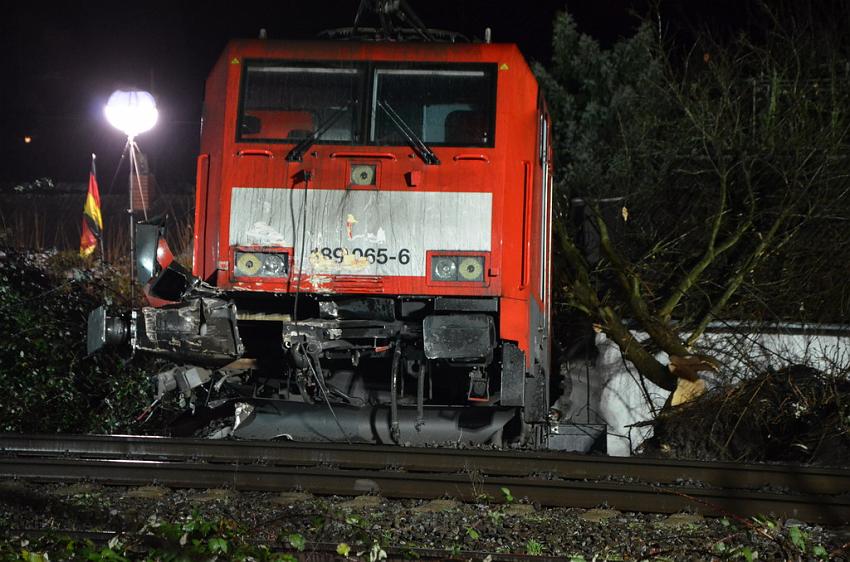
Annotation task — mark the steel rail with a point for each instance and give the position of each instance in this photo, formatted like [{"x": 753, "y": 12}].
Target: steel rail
[
  {"x": 799, "y": 479},
  {"x": 462, "y": 486}
]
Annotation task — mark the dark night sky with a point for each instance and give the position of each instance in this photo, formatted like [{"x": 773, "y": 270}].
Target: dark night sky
[{"x": 61, "y": 62}]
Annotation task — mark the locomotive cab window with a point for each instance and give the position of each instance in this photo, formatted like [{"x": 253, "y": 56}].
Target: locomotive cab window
[
  {"x": 288, "y": 102},
  {"x": 449, "y": 107}
]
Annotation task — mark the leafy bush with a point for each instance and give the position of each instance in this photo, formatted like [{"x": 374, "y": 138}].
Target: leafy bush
[
  {"x": 49, "y": 383},
  {"x": 192, "y": 538}
]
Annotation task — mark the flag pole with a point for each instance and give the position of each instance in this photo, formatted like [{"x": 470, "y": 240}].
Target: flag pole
[
  {"x": 100, "y": 235},
  {"x": 92, "y": 227},
  {"x": 101, "y": 238}
]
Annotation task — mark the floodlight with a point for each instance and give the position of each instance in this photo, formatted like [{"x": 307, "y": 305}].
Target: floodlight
[{"x": 132, "y": 112}]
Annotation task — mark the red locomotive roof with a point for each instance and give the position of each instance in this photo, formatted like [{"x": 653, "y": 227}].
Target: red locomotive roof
[{"x": 379, "y": 51}]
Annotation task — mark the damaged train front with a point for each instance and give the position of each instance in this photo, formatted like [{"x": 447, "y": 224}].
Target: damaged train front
[
  {"x": 313, "y": 367},
  {"x": 189, "y": 323}
]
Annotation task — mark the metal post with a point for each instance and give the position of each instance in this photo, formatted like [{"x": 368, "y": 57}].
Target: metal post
[
  {"x": 131, "y": 146},
  {"x": 420, "y": 397},
  {"x": 396, "y": 367}
]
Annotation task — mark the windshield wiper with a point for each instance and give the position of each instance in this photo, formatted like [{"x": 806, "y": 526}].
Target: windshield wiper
[
  {"x": 297, "y": 152},
  {"x": 416, "y": 143}
]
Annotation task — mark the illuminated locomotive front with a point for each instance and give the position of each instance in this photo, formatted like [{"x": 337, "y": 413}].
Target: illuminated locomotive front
[{"x": 371, "y": 257}]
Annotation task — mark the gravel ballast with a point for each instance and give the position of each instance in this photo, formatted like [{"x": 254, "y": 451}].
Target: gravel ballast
[{"x": 516, "y": 527}]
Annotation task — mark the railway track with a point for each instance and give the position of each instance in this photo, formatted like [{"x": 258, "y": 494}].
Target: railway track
[{"x": 554, "y": 479}]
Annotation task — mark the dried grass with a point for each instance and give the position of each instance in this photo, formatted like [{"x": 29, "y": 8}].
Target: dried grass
[
  {"x": 796, "y": 414},
  {"x": 38, "y": 222}
]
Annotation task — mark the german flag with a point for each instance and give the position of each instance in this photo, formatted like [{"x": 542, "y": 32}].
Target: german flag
[{"x": 92, "y": 220}]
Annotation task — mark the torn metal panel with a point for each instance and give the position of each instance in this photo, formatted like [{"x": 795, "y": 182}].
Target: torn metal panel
[
  {"x": 358, "y": 232},
  {"x": 202, "y": 331},
  {"x": 172, "y": 283}
]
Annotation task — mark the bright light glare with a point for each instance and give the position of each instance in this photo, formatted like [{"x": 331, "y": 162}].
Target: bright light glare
[{"x": 131, "y": 112}]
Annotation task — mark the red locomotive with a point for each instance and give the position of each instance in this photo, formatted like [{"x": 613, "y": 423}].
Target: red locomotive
[{"x": 372, "y": 247}]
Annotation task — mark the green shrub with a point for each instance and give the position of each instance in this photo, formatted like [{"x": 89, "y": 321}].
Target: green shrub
[{"x": 48, "y": 382}]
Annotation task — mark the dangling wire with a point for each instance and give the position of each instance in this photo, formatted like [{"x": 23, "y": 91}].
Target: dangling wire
[
  {"x": 320, "y": 383},
  {"x": 302, "y": 241}
]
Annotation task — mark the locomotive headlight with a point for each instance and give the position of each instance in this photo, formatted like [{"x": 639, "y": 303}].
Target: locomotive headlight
[
  {"x": 274, "y": 265},
  {"x": 248, "y": 264},
  {"x": 468, "y": 268},
  {"x": 471, "y": 268},
  {"x": 363, "y": 174},
  {"x": 444, "y": 268},
  {"x": 261, "y": 264}
]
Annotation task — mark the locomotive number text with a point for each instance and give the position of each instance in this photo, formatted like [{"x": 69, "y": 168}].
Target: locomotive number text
[{"x": 379, "y": 256}]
